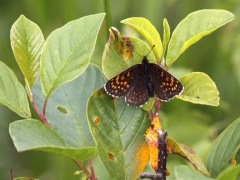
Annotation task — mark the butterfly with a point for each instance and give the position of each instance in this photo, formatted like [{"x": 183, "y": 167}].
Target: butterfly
[{"x": 139, "y": 83}]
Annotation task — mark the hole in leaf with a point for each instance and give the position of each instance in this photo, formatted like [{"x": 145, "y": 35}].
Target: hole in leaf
[
  {"x": 96, "y": 120},
  {"x": 111, "y": 156},
  {"x": 62, "y": 110}
]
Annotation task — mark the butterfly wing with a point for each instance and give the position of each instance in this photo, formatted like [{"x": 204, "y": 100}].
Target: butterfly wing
[
  {"x": 166, "y": 86},
  {"x": 120, "y": 85},
  {"x": 138, "y": 94}
]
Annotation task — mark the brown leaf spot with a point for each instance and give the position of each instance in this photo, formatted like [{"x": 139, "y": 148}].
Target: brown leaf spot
[
  {"x": 111, "y": 156},
  {"x": 96, "y": 120}
]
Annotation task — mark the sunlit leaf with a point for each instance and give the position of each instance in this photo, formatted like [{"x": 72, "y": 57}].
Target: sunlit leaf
[
  {"x": 184, "y": 172},
  {"x": 166, "y": 35},
  {"x": 27, "y": 42},
  {"x": 118, "y": 131},
  {"x": 148, "y": 31},
  {"x": 67, "y": 52},
  {"x": 191, "y": 29},
  {"x": 118, "y": 56},
  {"x": 223, "y": 149},
  {"x": 199, "y": 89},
  {"x": 32, "y": 134},
  {"x": 230, "y": 173},
  {"x": 12, "y": 93},
  {"x": 188, "y": 154},
  {"x": 66, "y": 108}
]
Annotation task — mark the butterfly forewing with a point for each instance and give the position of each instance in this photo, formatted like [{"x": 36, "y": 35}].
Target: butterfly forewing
[
  {"x": 120, "y": 85},
  {"x": 138, "y": 94},
  {"x": 166, "y": 86}
]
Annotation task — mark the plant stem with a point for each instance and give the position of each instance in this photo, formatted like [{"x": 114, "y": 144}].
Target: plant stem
[
  {"x": 108, "y": 16},
  {"x": 11, "y": 175},
  {"x": 44, "y": 108},
  {"x": 91, "y": 170},
  {"x": 157, "y": 106},
  {"x": 43, "y": 118},
  {"x": 150, "y": 115},
  {"x": 81, "y": 165}
]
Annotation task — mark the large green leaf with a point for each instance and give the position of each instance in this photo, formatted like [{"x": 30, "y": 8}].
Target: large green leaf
[
  {"x": 12, "y": 93},
  {"x": 67, "y": 52},
  {"x": 66, "y": 108},
  {"x": 118, "y": 131},
  {"x": 199, "y": 89},
  {"x": 230, "y": 174},
  {"x": 118, "y": 56},
  {"x": 148, "y": 31},
  {"x": 223, "y": 149},
  {"x": 193, "y": 28},
  {"x": 32, "y": 134},
  {"x": 27, "y": 42},
  {"x": 184, "y": 172}
]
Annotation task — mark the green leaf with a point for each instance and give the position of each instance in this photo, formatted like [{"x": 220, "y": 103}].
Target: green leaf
[
  {"x": 191, "y": 29},
  {"x": 231, "y": 173},
  {"x": 184, "y": 172},
  {"x": 67, "y": 52},
  {"x": 199, "y": 89},
  {"x": 166, "y": 35},
  {"x": 24, "y": 178},
  {"x": 188, "y": 154},
  {"x": 12, "y": 93},
  {"x": 149, "y": 32},
  {"x": 223, "y": 149},
  {"x": 27, "y": 42},
  {"x": 66, "y": 108},
  {"x": 118, "y": 131},
  {"x": 118, "y": 56},
  {"x": 32, "y": 134}
]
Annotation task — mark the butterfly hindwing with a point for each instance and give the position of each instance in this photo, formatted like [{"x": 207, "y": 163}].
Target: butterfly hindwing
[
  {"x": 120, "y": 85},
  {"x": 138, "y": 94},
  {"x": 166, "y": 86}
]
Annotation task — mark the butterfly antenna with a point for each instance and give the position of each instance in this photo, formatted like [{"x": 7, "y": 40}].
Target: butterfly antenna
[{"x": 150, "y": 50}]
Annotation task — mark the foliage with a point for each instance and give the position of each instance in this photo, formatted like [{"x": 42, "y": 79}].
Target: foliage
[{"x": 117, "y": 129}]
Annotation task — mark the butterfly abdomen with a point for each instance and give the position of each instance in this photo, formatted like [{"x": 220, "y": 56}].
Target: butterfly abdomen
[{"x": 147, "y": 73}]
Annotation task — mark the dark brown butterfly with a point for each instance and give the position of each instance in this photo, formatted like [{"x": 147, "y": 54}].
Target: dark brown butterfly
[{"x": 139, "y": 83}]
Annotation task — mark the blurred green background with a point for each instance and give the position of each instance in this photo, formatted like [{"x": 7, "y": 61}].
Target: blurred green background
[{"x": 196, "y": 126}]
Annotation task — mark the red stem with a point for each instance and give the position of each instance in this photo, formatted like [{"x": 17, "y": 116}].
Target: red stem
[
  {"x": 81, "y": 166},
  {"x": 43, "y": 119},
  {"x": 91, "y": 170},
  {"x": 157, "y": 107},
  {"x": 11, "y": 175}
]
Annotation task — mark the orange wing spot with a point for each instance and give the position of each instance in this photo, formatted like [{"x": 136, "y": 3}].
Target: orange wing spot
[
  {"x": 161, "y": 86},
  {"x": 125, "y": 83},
  {"x": 127, "y": 86},
  {"x": 119, "y": 87},
  {"x": 163, "y": 83},
  {"x": 161, "y": 74},
  {"x": 128, "y": 74},
  {"x": 116, "y": 91},
  {"x": 122, "y": 77},
  {"x": 167, "y": 78}
]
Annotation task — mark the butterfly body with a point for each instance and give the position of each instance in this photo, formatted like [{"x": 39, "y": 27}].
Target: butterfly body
[{"x": 139, "y": 83}]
